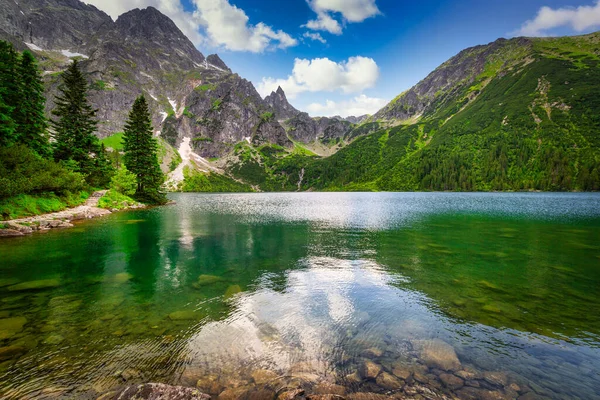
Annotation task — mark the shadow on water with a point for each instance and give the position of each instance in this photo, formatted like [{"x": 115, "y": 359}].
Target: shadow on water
[{"x": 446, "y": 295}]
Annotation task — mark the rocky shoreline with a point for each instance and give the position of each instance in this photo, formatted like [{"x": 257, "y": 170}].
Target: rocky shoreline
[{"x": 60, "y": 219}]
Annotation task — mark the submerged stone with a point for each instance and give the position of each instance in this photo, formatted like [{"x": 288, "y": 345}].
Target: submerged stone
[
  {"x": 8, "y": 352},
  {"x": 329, "y": 388},
  {"x": 232, "y": 291},
  {"x": 35, "y": 285},
  {"x": 183, "y": 315},
  {"x": 154, "y": 391},
  {"x": 437, "y": 353},
  {"x": 11, "y": 326},
  {"x": 208, "y": 279},
  {"x": 262, "y": 376},
  {"x": 369, "y": 370},
  {"x": 451, "y": 381},
  {"x": 122, "y": 277},
  {"x": 389, "y": 381},
  {"x": 54, "y": 339}
]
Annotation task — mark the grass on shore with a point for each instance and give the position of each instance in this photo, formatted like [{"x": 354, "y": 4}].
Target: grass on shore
[
  {"x": 115, "y": 200},
  {"x": 25, "y": 205}
]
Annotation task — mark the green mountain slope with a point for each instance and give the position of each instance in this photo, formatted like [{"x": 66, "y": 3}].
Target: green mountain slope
[{"x": 519, "y": 114}]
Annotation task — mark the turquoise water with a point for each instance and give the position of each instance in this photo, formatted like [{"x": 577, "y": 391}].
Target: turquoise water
[{"x": 467, "y": 295}]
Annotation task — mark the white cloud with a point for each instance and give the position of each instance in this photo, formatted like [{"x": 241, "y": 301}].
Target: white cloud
[
  {"x": 324, "y": 23},
  {"x": 213, "y": 22},
  {"x": 356, "y": 106},
  {"x": 314, "y": 36},
  {"x": 323, "y": 75},
  {"x": 227, "y": 26},
  {"x": 579, "y": 19},
  {"x": 350, "y": 11}
]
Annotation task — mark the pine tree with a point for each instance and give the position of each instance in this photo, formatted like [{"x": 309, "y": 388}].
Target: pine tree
[
  {"x": 31, "y": 121},
  {"x": 141, "y": 157},
  {"x": 74, "y": 129},
  {"x": 9, "y": 93},
  {"x": 7, "y": 125}
]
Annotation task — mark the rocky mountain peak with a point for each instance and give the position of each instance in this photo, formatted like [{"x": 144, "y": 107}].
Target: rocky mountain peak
[
  {"x": 280, "y": 105},
  {"x": 215, "y": 61},
  {"x": 149, "y": 24}
]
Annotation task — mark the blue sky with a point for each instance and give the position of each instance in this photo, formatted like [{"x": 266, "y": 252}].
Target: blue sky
[{"x": 374, "y": 49}]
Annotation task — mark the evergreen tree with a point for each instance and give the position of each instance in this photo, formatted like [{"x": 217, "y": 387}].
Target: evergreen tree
[
  {"x": 141, "y": 157},
  {"x": 74, "y": 129},
  {"x": 29, "y": 116},
  {"x": 7, "y": 125},
  {"x": 9, "y": 93}
]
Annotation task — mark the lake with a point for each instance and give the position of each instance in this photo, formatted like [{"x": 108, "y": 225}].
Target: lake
[{"x": 491, "y": 296}]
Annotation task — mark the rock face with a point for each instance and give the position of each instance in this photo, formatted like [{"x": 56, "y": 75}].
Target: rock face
[
  {"x": 301, "y": 127},
  {"x": 142, "y": 52},
  {"x": 279, "y": 104}
]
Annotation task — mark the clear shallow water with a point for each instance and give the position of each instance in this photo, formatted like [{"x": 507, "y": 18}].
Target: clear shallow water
[{"x": 497, "y": 289}]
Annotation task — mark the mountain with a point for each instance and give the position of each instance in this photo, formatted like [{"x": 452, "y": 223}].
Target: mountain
[
  {"x": 302, "y": 127},
  {"x": 518, "y": 114},
  {"x": 193, "y": 98}
]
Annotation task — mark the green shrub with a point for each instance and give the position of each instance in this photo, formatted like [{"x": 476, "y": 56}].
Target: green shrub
[
  {"x": 115, "y": 200},
  {"x": 25, "y": 205},
  {"x": 24, "y": 172},
  {"x": 267, "y": 116},
  {"x": 124, "y": 182}
]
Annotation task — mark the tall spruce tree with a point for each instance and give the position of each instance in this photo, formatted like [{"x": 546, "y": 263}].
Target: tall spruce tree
[
  {"x": 74, "y": 129},
  {"x": 7, "y": 125},
  {"x": 9, "y": 93},
  {"x": 32, "y": 126},
  {"x": 141, "y": 157}
]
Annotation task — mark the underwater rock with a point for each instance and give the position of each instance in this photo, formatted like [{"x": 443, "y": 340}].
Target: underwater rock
[
  {"x": 54, "y": 340},
  {"x": 238, "y": 393},
  {"x": 291, "y": 394},
  {"x": 156, "y": 391},
  {"x": 122, "y": 277},
  {"x": 329, "y": 388},
  {"x": 451, "y": 381},
  {"x": 325, "y": 397},
  {"x": 437, "y": 353},
  {"x": 401, "y": 372},
  {"x": 232, "y": 291},
  {"x": 369, "y": 370},
  {"x": 209, "y": 384},
  {"x": 35, "y": 285},
  {"x": 466, "y": 375},
  {"x": 353, "y": 378},
  {"x": 261, "y": 394},
  {"x": 373, "y": 352},
  {"x": 8, "y": 352},
  {"x": 11, "y": 326},
  {"x": 496, "y": 378},
  {"x": 204, "y": 280},
  {"x": 183, "y": 315},
  {"x": 389, "y": 381},
  {"x": 262, "y": 376},
  {"x": 419, "y": 377},
  {"x": 367, "y": 396}
]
